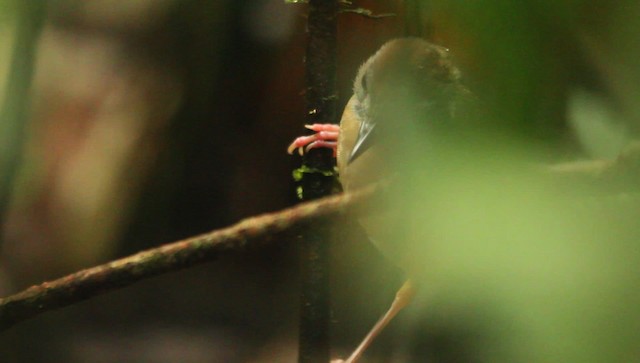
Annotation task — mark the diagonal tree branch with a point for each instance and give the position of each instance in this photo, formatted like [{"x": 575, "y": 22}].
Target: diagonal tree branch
[
  {"x": 617, "y": 176},
  {"x": 248, "y": 233}
]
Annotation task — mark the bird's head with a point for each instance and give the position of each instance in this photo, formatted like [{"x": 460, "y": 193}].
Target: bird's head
[{"x": 408, "y": 85}]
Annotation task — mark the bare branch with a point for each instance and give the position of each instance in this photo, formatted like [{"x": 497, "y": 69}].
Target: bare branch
[
  {"x": 367, "y": 13},
  {"x": 248, "y": 233},
  {"x": 259, "y": 231}
]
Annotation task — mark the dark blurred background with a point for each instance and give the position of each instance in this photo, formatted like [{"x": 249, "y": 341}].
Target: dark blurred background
[{"x": 154, "y": 120}]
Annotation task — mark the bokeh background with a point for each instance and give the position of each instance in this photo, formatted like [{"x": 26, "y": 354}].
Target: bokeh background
[{"x": 148, "y": 121}]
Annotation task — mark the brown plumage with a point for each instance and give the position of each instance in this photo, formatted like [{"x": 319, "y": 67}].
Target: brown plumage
[
  {"x": 404, "y": 92},
  {"x": 403, "y": 95}
]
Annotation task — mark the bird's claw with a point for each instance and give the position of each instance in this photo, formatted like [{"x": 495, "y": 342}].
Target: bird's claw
[{"x": 326, "y": 136}]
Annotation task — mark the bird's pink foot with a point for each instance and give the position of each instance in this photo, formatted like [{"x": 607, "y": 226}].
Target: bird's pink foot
[{"x": 326, "y": 136}]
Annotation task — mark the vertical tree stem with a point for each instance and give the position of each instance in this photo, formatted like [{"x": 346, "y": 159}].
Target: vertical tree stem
[{"x": 321, "y": 107}]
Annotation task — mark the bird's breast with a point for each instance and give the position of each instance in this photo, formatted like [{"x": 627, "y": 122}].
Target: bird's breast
[{"x": 368, "y": 167}]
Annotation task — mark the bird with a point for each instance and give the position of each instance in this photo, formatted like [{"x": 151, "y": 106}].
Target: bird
[
  {"x": 519, "y": 266},
  {"x": 407, "y": 90}
]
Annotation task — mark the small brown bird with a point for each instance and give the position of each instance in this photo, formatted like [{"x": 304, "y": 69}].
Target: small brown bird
[
  {"x": 514, "y": 265},
  {"x": 407, "y": 89}
]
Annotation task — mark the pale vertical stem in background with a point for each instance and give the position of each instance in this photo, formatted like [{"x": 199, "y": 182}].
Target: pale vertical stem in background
[{"x": 14, "y": 115}]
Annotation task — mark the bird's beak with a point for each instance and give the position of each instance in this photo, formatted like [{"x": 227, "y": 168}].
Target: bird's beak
[{"x": 364, "y": 141}]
